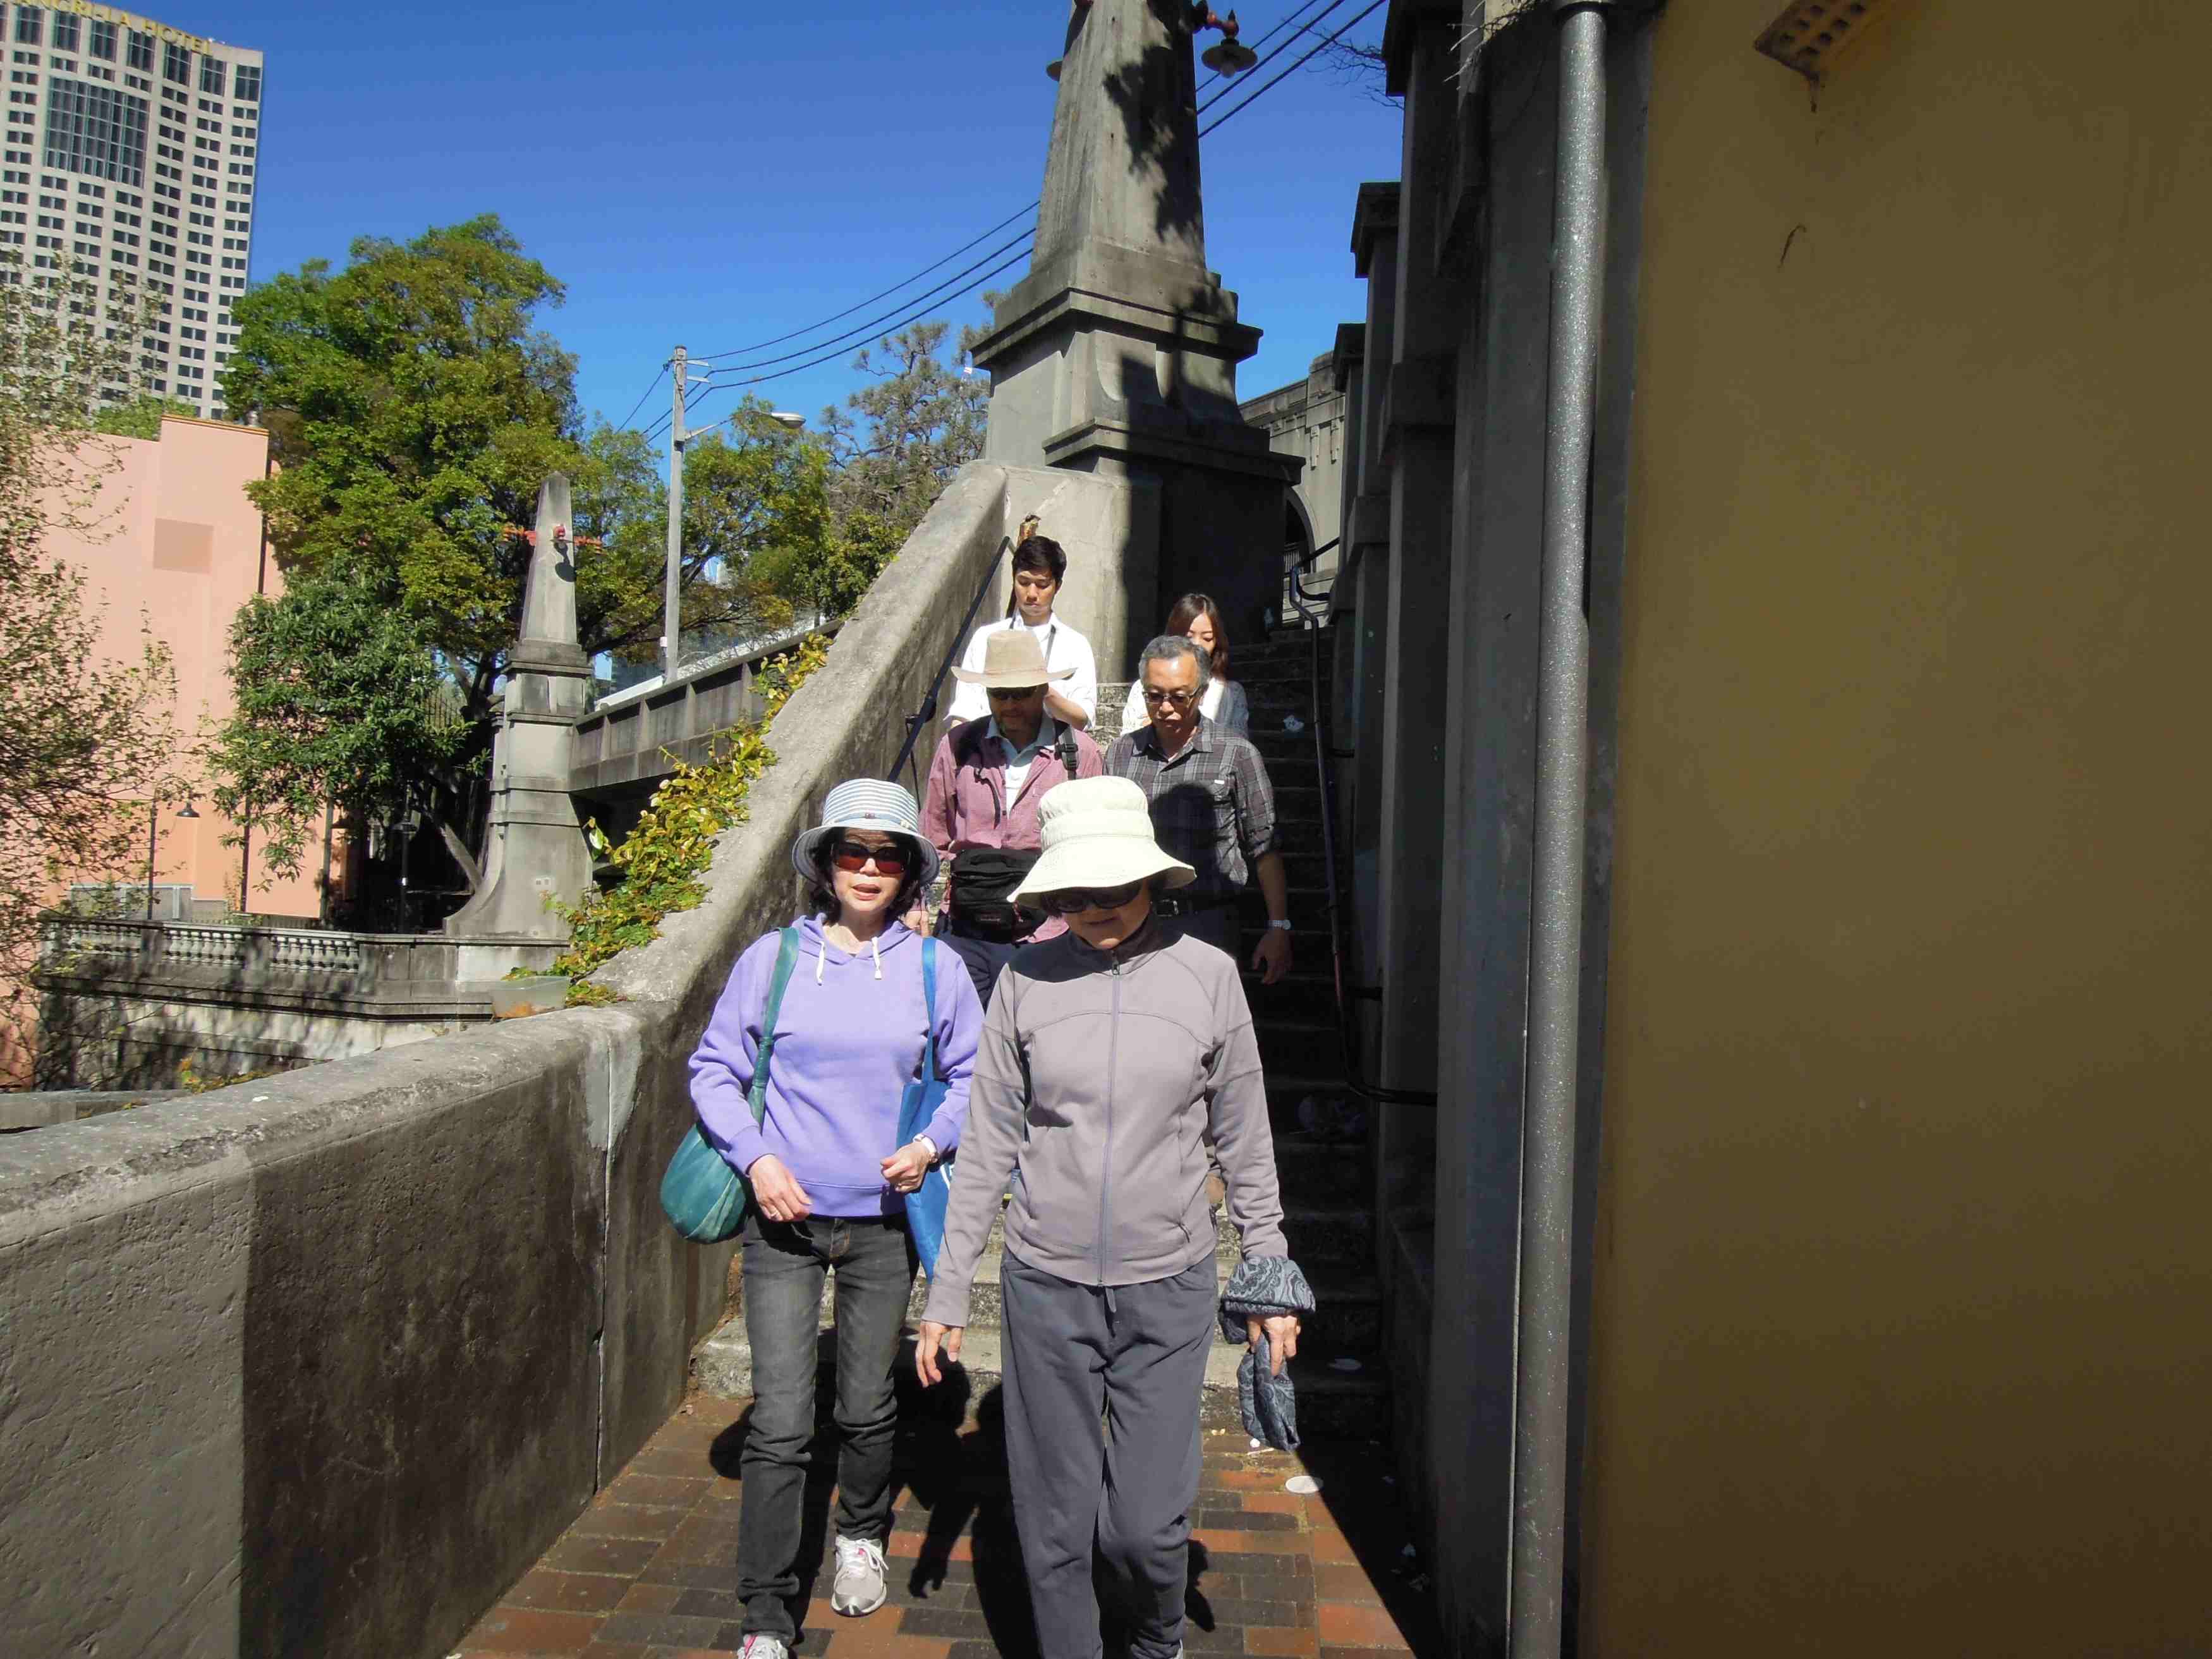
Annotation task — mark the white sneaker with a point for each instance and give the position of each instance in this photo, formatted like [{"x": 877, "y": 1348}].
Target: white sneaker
[
  {"x": 758, "y": 1646},
  {"x": 859, "y": 1587}
]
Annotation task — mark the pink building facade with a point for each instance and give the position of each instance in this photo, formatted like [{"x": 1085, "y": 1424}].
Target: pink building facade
[{"x": 176, "y": 542}]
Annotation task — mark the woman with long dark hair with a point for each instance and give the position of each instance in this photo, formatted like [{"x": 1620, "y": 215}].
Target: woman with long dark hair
[
  {"x": 1197, "y": 619},
  {"x": 1040, "y": 568},
  {"x": 829, "y": 1178}
]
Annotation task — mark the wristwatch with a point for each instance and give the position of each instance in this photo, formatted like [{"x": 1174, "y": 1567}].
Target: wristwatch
[{"x": 1284, "y": 925}]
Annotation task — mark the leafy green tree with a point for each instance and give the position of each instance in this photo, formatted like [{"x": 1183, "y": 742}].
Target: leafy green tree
[
  {"x": 899, "y": 439},
  {"x": 416, "y": 405},
  {"x": 341, "y": 702},
  {"x": 755, "y": 511},
  {"x": 86, "y": 740},
  {"x": 890, "y": 452},
  {"x": 142, "y": 416}
]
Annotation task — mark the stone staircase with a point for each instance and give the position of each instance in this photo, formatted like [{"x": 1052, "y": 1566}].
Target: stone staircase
[{"x": 1322, "y": 1154}]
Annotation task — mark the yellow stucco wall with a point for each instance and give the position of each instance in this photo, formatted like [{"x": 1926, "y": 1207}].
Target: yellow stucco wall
[{"x": 1903, "y": 1332}]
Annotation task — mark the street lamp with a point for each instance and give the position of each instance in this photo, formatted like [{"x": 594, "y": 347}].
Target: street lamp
[
  {"x": 152, "y": 837},
  {"x": 671, "y": 584}
]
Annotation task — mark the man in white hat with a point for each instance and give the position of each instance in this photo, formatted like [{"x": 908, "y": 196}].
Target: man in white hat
[
  {"x": 1040, "y": 568},
  {"x": 988, "y": 783}
]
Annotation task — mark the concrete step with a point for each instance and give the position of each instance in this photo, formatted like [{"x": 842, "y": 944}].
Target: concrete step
[
  {"x": 1334, "y": 1402},
  {"x": 1280, "y": 748},
  {"x": 1308, "y": 994},
  {"x": 1307, "y": 1046},
  {"x": 1272, "y": 658}
]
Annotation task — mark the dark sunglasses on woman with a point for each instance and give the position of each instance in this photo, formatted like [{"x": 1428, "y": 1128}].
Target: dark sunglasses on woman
[
  {"x": 853, "y": 856},
  {"x": 1069, "y": 900}
]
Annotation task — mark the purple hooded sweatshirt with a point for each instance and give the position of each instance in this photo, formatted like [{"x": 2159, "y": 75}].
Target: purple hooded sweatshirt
[{"x": 848, "y": 1040}]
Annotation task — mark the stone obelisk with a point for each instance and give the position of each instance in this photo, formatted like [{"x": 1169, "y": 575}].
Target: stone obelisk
[
  {"x": 534, "y": 849},
  {"x": 1117, "y": 354}
]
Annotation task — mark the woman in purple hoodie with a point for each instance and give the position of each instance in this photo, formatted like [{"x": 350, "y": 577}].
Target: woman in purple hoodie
[{"x": 828, "y": 1180}]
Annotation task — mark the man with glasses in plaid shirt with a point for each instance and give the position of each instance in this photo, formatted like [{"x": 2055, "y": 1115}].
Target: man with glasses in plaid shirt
[{"x": 1212, "y": 807}]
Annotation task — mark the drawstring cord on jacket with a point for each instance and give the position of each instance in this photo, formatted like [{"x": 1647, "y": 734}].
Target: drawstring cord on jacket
[{"x": 821, "y": 958}]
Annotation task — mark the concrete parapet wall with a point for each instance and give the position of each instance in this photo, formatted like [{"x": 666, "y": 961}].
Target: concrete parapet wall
[
  {"x": 126, "y": 1005},
  {"x": 320, "y": 1364}
]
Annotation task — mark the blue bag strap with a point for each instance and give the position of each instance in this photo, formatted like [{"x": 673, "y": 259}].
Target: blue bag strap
[
  {"x": 929, "y": 1009},
  {"x": 786, "y": 958}
]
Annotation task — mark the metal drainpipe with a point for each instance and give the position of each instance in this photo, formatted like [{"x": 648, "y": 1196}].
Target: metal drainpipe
[{"x": 1547, "y": 1136}]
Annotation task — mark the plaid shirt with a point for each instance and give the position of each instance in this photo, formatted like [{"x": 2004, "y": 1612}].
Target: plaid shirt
[{"x": 1212, "y": 807}]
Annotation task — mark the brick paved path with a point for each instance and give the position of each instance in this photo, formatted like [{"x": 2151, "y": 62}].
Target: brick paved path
[{"x": 646, "y": 1572}]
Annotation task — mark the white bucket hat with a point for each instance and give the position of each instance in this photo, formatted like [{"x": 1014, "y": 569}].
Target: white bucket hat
[
  {"x": 1098, "y": 832},
  {"x": 865, "y": 804}
]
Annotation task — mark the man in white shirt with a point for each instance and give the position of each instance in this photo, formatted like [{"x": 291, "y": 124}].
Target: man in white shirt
[{"x": 1040, "y": 566}]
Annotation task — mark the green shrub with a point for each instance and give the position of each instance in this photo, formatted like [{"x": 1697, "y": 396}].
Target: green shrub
[{"x": 663, "y": 862}]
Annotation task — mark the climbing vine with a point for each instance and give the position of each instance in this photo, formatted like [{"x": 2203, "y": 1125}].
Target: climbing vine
[{"x": 661, "y": 866}]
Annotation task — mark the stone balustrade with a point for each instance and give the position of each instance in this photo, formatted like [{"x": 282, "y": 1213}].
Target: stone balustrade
[{"x": 126, "y": 1004}]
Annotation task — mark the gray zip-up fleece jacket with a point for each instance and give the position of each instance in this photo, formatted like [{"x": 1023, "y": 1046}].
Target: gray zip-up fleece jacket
[{"x": 1098, "y": 1081}]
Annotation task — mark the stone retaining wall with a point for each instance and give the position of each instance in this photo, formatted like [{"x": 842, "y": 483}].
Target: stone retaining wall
[{"x": 320, "y": 1364}]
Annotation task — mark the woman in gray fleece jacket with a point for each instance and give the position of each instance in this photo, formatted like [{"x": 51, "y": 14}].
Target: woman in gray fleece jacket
[{"x": 1111, "y": 1056}]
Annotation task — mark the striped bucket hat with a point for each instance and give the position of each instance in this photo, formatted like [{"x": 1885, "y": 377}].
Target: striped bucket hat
[{"x": 865, "y": 804}]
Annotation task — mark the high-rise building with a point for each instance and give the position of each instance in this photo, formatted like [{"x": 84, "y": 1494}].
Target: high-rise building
[{"x": 130, "y": 157}]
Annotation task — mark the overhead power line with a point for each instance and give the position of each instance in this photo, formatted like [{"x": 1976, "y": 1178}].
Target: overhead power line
[
  {"x": 864, "y": 331},
  {"x": 922, "y": 315},
  {"x": 1296, "y": 64},
  {"x": 1325, "y": 7},
  {"x": 642, "y": 397},
  {"x": 1222, "y": 85},
  {"x": 1276, "y": 28},
  {"x": 936, "y": 297},
  {"x": 762, "y": 345}
]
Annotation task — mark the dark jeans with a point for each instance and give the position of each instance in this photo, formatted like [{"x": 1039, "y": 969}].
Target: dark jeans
[
  {"x": 785, "y": 1263},
  {"x": 984, "y": 958}
]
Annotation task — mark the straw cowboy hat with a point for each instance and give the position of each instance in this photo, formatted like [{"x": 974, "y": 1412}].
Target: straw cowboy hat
[
  {"x": 865, "y": 804},
  {"x": 1098, "y": 832},
  {"x": 1012, "y": 661}
]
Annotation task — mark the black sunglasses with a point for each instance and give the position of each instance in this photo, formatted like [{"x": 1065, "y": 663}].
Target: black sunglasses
[
  {"x": 853, "y": 856},
  {"x": 1069, "y": 900}
]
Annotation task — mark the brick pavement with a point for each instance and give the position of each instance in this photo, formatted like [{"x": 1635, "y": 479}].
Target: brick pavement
[{"x": 646, "y": 1571}]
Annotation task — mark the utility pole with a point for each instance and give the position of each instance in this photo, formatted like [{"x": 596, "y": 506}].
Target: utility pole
[{"x": 671, "y": 591}]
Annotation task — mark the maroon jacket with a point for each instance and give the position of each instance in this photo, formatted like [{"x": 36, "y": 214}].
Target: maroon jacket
[{"x": 966, "y": 805}]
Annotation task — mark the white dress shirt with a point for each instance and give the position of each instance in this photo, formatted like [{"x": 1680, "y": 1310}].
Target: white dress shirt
[{"x": 1063, "y": 649}]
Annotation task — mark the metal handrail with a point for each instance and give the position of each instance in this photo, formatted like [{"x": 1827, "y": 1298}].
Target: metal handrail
[
  {"x": 1374, "y": 1094},
  {"x": 1300, "y": 599},
  {"x": 917, "y": 721}
]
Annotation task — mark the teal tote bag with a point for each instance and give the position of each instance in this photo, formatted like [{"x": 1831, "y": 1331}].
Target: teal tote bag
[{"x": 703, "y": 1198}]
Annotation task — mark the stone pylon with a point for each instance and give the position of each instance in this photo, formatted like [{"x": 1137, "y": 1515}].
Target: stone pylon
[
  {"x": 535, "y": 848},
  {"x": 1117, "y": 354}
]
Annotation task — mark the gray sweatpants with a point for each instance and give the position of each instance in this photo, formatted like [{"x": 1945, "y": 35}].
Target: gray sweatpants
[{"x": 1135, "y": 1356}]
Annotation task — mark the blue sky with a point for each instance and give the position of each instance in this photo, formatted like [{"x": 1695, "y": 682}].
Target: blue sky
[{"x": 721, "y": 175}]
